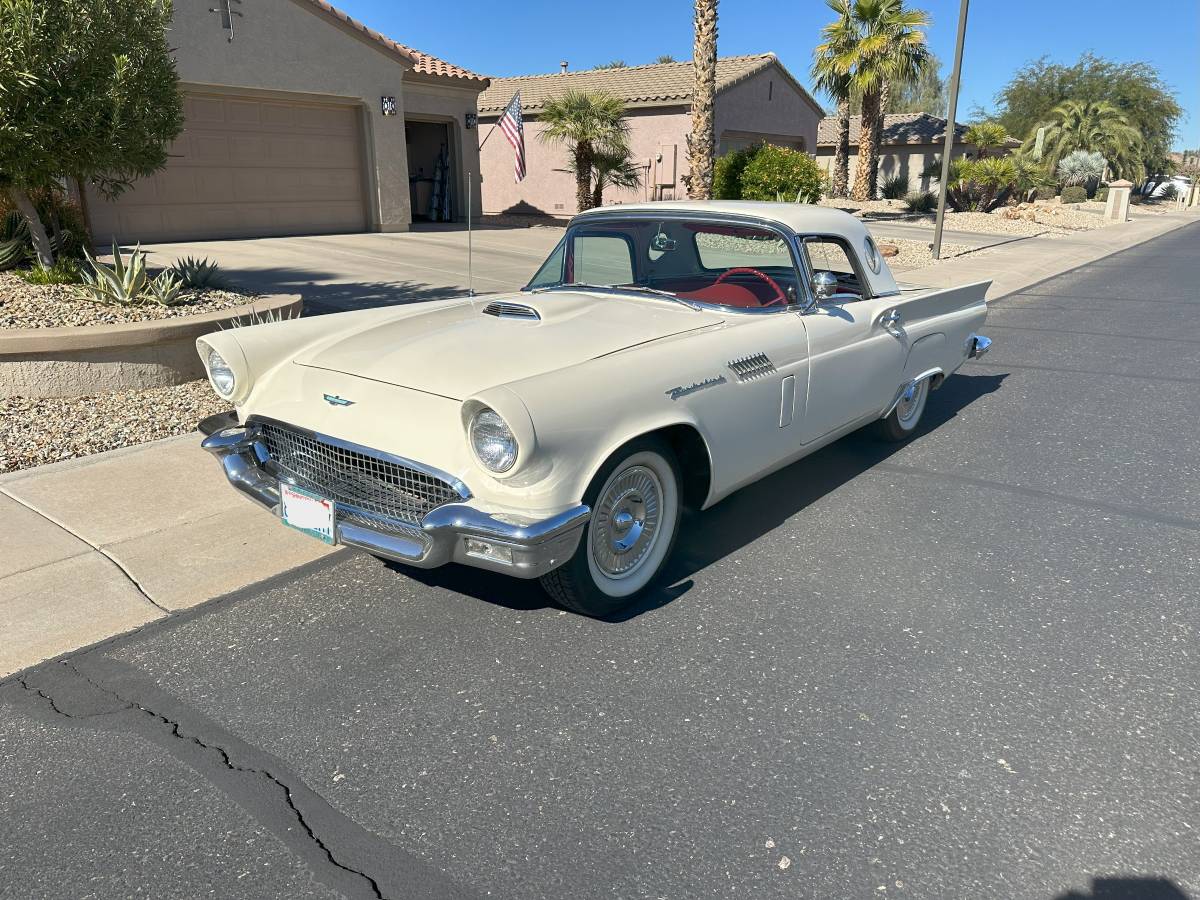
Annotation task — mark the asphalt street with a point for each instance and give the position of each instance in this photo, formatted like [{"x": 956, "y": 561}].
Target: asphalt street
[{"x": 967, "y": 667}]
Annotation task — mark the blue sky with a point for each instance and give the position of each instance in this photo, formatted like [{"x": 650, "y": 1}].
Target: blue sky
[{"x": 522, "y": 37}]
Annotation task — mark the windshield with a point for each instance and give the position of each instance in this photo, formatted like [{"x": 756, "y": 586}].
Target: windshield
[{"x": 721, "y": 264}]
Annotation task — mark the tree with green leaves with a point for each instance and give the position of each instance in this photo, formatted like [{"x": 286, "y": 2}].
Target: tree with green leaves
[
  {"x": 1136, "y": 89},
  {"x": 884, "y": 44},
  {"x": 587, "y": 123},
  {"x": 829, "y": 76},
  {"x": 701, "y": 143},
  {"x": 926, "y": 92},
  {"x": 614, "y": 64},
  {"x": 666, "y": 58},
  {"x": 88, "y": 90},
  {"x": 1099, "y": 127},
  {"x": 614, "y": 168},
  {"x": 987, "y": 136}
]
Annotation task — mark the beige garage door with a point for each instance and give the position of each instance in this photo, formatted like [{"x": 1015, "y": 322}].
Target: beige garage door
[{"x": 247, "y": 167}]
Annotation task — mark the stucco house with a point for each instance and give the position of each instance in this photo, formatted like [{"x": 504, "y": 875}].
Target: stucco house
[
  {"x": 757, "y": 100},
  {"x": 298, "y": 120},
  {"x": 911, "y": 142}
]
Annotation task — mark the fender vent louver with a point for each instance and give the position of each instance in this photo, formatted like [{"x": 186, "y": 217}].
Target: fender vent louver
[
  {"x": 747, "y": 368},
  {"x": 511, "y": 311}
]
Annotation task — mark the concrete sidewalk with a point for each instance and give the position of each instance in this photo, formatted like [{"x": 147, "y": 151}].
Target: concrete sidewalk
[{"x": 103, "y": 544}]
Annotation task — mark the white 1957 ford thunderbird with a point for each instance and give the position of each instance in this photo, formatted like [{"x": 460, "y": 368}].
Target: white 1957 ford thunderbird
[{"x": 663, "y": 356}]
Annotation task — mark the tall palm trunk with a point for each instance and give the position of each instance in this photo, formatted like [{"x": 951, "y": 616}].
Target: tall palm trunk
[
  {"x": 37, "y": 231},
  {"x": 583, "y": 175},
  {"x": 885, "y": 93},
  {"x": 701, "y": 142},
  {"x": 841, "y": 155},
  {"x": 868, "y": 149}
]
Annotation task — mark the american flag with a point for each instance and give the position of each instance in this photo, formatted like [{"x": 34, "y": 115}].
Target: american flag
[{"x": 513, "y": 127}]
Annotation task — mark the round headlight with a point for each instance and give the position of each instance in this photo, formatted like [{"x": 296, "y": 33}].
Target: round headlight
[
  {"x": 493, "y": 441},
  {"x": 220, "y": 374}
]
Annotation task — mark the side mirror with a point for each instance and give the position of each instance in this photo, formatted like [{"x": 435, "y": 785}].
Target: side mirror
[{"x": 824, "y": 285}]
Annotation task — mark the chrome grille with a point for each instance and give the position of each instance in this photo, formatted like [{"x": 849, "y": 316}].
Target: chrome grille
[
  {"x": 372, "y": 485},
  {"x": 747, "y": 368}
]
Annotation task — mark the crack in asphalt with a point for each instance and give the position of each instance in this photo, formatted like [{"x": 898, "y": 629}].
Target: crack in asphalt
[
  {"x": 306, "y": 824},
  {"x": 225, "y": 758}
]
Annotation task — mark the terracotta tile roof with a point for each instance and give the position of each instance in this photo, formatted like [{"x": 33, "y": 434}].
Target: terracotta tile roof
[
  {"x": 420, "y": 62},
  {"x": 656, "y": 84},
  {"x": 898, "y": 128}
]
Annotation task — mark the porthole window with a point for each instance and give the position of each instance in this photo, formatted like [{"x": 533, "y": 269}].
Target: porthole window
[{"x": 872, "y": 255}]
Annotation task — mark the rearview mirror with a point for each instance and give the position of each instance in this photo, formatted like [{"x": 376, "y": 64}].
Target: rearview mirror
[{"x": 824, "y": 285}]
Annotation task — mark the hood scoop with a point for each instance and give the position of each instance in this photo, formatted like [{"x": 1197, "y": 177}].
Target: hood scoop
[{"x": 502, "y": 310}]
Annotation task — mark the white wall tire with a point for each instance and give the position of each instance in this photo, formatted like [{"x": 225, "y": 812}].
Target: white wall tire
[
  {"x": 636, "y": 500},
  {"x": 901, "y": 423}
]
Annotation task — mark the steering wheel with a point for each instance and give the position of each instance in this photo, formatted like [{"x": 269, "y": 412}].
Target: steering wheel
[{"x": 780, "y": 296}]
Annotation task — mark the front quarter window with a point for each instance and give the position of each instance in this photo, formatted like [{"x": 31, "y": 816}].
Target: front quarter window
[{"x": 551, "y": 272}]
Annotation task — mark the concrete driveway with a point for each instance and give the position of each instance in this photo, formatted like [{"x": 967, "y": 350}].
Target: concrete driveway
[{"x": 341, "y": 272}]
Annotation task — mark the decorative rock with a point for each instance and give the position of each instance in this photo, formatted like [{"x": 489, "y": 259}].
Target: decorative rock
[{"x": 888, "y": 250}]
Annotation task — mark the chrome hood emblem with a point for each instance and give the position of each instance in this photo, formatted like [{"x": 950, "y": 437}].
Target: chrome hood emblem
[{"x": 335, "y": 400}]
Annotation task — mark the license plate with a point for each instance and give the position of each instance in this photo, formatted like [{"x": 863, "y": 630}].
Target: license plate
[{"x": 307, "y": 512}]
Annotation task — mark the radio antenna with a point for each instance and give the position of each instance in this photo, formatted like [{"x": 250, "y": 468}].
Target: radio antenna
[{"x": 470, "y": 272}]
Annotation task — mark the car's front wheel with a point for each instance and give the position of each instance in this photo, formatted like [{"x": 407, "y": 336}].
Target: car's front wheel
[{"x": 635, "y": 502}]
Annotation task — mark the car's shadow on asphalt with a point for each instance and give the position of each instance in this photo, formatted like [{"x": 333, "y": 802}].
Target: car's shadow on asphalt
[{"x": 739, "y": 519}]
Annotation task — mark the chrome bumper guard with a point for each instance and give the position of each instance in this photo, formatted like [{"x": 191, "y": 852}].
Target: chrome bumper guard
[
  {"x": 977, "y": 346},
  {"x": 454, "y": 532}
]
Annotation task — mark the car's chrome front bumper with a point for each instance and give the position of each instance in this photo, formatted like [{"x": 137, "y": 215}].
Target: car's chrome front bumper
[{"x": 454, "y": 532}]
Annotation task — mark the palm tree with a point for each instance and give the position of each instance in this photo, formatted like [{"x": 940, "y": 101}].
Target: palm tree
[
  {"x": 987, "y": 136},
  {"x": 828, "y": 77},
  {"x": 587, "y": 123},
  {"x": 701, "y": 143},
  {"x": 1093, "y": 126},
  {"x": 613, "y": 168},
  {"x": 885, "y": 43}
]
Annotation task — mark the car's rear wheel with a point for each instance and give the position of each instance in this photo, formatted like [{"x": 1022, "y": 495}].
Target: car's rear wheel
[
  {"x": 635, "y": 502},
  {"x": 901, "y": 423}
]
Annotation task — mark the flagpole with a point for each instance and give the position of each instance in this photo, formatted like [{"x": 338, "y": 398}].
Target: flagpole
[{"x": 488, "y": 135}]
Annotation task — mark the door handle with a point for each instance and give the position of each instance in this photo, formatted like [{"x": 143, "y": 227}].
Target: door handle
[{"x": 891, "y": 319}]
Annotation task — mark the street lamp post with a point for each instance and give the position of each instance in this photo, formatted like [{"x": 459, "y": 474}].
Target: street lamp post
[{"x": 955, "y": 76}]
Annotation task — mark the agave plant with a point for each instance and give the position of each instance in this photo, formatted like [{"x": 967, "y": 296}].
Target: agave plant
[
  {"x": 1081, "y": 166},
  {"x": 200, "y": 274},
  {"x": 121, "y": 284},
  {"x": 14, "y": 240},
  {"x": 165, "y": 290}
]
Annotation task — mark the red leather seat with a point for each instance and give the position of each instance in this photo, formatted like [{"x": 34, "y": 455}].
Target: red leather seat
[{"x": 726, "y": 294}]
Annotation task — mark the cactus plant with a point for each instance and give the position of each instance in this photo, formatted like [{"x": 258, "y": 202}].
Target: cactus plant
[
  {"x": 14, "y": 240},
  {"x": 121, "y": 284},
  {"x": 165, "y": 289},
  {"x": 198, "y": 273}
]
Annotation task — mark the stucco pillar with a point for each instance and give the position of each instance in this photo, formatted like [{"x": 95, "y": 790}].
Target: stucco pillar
[{"x": 1117, "y": 209}]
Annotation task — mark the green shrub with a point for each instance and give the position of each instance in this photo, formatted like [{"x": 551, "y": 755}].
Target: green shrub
[
  {"x": 165, "y": 290},
  {"x": 1046, "y": 192},
  {"x": 727, "y": 173},
  {"x": 921, "y": 202},
  {"x": 772, "y": 171},
  {"x": 894, "y": 188},
  {"x": 14, "y": 239},
  {"x": 767, "y": 172},
  {"x": 65, "y": 271},
  {"x": 201, "y": 274},
  {"x": 1102, "y": 194},
  {"x": 1074, "y": 193},
  {"x": 1170, "y": 192}
]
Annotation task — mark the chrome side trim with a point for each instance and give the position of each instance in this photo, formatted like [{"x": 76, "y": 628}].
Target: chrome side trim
[
  {"x": 977, "y": 346},
  {"x": 928, "y": 373},
  {"x": 459, "y": 488}
]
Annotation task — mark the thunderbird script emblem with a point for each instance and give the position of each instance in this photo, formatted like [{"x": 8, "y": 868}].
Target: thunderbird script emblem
[{"x": 335, "y": 400}]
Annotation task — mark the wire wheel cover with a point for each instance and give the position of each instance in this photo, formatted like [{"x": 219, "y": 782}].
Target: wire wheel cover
[{"x": 625, "y": 524}]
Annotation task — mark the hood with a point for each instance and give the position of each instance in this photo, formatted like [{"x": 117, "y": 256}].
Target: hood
[{"x": 456, "y": 350}]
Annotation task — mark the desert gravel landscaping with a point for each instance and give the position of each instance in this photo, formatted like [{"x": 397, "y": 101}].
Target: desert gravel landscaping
[
  {"x": 35, "y": 432},
  {"x": 25, "y": 305}
]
